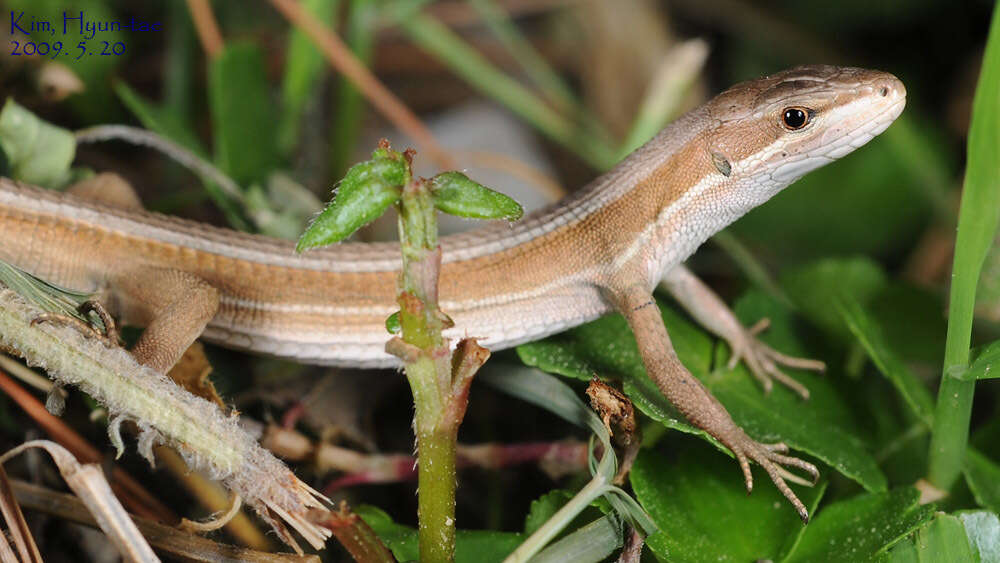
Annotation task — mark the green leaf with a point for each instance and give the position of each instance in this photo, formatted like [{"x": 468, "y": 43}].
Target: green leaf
[
  {"x": 392, "y": 323},
  {"x": 169, "y": 124},
  {"x": 590, "y": 543},
  {"x": 548, "y": 504},
  {"x": 859, "y": 528},
  {"x": 160, "y": 119},
  {"x": 978, "y": 217},
  {"x": 471, "y": 546},
  {"x": 549, "y": 393},
  {"x": 544, "y": 507},
  {"x": 983, "y": 477},
  {"x": 942, "y": 539},
  {"x": 349, "y": 107},
  {"x": 444, "y": 44},
  {"x": 698, "y": 500},
  {"x": 304, "y": 66},
  {"x": 986, "y": 363},
  {"x": 814, "y": 287},
  {"x": 244, "y": 133},
  {"x": 37, "y": 152},
  {"x": 822, "y": 427},
  {"x": 983, "y": 530},
  {"x": 869, "y": 334},
  {"x": 282, "y": 206},
  {"x": 363, "y": 195},
  {"x": 455, "y": 194},
  {"x": 913, "y": 323}
]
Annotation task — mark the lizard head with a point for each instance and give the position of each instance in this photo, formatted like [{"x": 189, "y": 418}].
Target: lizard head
[{"x": 769, "y": 132}]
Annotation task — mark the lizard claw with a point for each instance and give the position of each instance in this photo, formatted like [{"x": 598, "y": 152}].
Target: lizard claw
[
  {"x": 772, "y": 459},
  {"x": 110, "y": 336},
  {"x": 763, "y": 360}
]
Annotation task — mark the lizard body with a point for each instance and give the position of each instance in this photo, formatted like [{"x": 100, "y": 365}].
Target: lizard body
[{"x": 601, "y": 250}]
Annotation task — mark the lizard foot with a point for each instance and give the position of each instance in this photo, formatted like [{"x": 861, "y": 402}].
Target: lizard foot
[
  {"x": 763, "y": 360},
  {"x": 772, "y": 458},
  {"x": 110, "y": 336}
]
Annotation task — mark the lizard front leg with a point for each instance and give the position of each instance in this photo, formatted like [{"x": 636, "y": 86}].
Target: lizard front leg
[
  {"x": 173, "y": 305},
  {"x": 695, "y": 402},
  {"x": 712, "y": 313}
]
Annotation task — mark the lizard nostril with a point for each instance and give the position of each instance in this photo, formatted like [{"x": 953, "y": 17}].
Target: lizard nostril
[{"x": 884, "y": 91}]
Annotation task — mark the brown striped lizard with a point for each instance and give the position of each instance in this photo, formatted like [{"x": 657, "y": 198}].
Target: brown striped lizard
[{"x": 601, "y": 250}]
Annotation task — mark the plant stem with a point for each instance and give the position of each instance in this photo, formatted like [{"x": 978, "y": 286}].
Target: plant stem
[
  {"x": 429, "y": 372},
  {"x": 437, "y": 483}
]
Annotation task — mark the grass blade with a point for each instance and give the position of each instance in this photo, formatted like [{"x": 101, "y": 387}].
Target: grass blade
[{"x": 977, "y": 224}]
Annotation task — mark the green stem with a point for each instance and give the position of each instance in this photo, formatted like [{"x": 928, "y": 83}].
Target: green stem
[
  {"x": 429, "y": 373},
  {"x": 437, "y": 483}
]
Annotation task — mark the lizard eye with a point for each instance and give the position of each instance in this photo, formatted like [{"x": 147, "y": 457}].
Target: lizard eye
[{"x": 796, "y": 118}]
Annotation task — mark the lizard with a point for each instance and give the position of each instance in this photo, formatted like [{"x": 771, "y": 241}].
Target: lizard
[{"x": 601, "y": 250}]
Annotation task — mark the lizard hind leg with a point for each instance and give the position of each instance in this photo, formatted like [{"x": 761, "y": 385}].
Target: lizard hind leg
[
  {"x": 175, "y": 307},
  {"x": 698, "y": 405}
]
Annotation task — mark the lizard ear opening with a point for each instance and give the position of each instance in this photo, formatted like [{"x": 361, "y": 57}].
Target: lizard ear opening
[{"x": 721, "y": 164}]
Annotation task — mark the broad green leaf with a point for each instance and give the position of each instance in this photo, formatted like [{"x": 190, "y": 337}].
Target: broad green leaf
[
  {"x": 363, "y": 195},
  {"x": 37, "y": 152},
  {"x": 913, "y": 323},
  {"x": 869, "y": 334},
  {"x": 983, "y": 477},
  {"x": 586, "y": 350},
  {"x": 241, "y": 108},
  {"x": 814, "y": 287},
  {"x": 455, "y": 194},
  {"x": 860, "y": 528},
  {"x": 697, "y": 499},
  {"x": 471, "y": 546},
  {"x": 821, "y": 427},
  {"x": 941, "y": 539},
  {"x": 986, "y": 363},
  {"x": 983, "y": 530}
]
